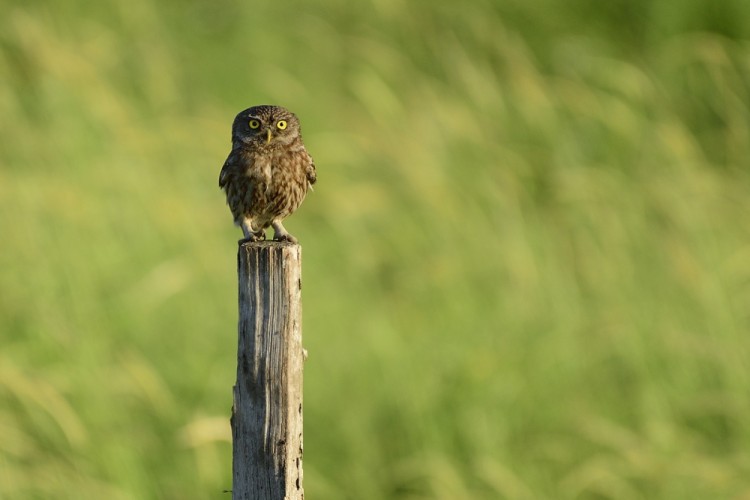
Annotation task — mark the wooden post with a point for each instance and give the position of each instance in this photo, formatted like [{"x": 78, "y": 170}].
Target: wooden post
[{"x": 267, "y": 410}]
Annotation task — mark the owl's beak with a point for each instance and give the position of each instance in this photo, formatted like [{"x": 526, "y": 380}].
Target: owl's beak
[{"x": 268, "y": 139}]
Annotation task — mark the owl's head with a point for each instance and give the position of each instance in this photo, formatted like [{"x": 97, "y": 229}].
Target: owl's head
[{"x": 265, "y": 127}]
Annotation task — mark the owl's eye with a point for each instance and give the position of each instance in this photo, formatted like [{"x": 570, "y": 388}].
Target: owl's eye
[
  {"x": 254, "y": 124},
  {"x": 281, "y": 124}
]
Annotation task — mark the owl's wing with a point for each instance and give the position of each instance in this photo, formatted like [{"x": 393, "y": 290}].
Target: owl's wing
[
  {"x": 229, "y": 165},
  {"x": 312, "y": 175}
]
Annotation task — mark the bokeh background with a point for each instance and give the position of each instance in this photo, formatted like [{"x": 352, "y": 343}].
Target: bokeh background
[{"x": 526, "y": 263}]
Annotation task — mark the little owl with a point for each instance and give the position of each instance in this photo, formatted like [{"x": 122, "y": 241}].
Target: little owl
[{"x": 268, "y": 171}]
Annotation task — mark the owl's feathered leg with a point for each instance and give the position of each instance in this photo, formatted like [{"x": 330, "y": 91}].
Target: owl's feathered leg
[
  {"x": 281, "y": 234},
  {"x": 250, "y": 233}
]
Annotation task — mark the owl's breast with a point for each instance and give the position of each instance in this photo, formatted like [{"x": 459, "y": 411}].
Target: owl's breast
[{"x": 260, "y": 169}]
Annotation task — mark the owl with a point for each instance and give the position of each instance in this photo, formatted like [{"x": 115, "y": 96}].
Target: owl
[{"x": 268, "y": 172}]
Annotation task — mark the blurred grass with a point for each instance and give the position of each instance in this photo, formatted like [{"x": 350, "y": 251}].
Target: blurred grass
[{"x": 527, "y": 263}]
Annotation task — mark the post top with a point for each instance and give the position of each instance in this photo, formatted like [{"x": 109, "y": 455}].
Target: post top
[{"x": 268, "y": 244}]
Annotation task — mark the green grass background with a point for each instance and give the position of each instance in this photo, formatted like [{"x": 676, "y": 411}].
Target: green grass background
[{"x": 526, "y": 263}]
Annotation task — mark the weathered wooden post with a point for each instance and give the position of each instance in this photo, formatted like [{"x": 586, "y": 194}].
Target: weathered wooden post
[{"x": 267, "y": 410}]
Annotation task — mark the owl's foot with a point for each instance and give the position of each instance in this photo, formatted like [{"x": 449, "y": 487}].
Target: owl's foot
[
  {"x": 285, "y": 237},
  {"x": 281, "y": 234},
  {"x": 250, "y": 233},
  {"x": 259, "y": 236}
]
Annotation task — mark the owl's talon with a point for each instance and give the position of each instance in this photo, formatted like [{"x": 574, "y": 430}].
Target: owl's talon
[
  {"x": 285, "y": 237},
  {"x": 253, "y": 238}
]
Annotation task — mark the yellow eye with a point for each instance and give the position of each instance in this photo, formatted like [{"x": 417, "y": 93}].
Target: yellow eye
[
  {"x": 254, "y": 124},
  {"x": 281, "y": 124}
]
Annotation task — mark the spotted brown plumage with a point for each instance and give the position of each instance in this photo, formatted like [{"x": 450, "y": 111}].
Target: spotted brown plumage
[{"x": 268, "y": 171}]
